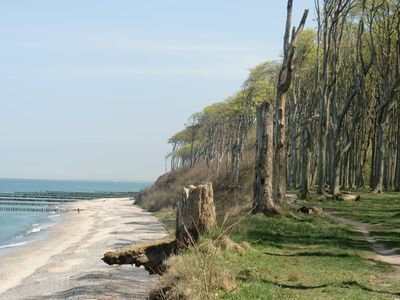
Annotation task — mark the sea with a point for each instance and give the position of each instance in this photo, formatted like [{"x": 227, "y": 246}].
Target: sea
[{"x": 18, "y": 228}]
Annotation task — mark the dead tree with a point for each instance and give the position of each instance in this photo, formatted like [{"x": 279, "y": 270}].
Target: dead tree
[
  {"x": 263, "y": 197},
  {"x": 283, "y": 85}
]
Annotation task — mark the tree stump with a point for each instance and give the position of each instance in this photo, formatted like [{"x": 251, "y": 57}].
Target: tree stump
[{"x": 195, "y": 214}]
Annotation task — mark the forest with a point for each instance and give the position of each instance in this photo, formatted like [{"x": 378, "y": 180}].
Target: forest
[
  {"x": 288, "y": 189},
  {"x": 326, "y": 117}
]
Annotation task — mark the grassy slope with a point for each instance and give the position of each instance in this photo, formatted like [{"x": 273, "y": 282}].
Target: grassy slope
[
  {"x": 294, "y": 258},
  {"x": 291, "y": 258},
  {"x": 167, "y": 190}
]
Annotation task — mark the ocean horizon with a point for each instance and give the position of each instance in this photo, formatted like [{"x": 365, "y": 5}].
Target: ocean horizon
[
  {"x": 21, "y": 227},
  {"x": 15, "y": 185}
]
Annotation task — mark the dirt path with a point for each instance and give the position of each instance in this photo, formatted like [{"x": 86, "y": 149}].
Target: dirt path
[{"x": 383, "y": 253}]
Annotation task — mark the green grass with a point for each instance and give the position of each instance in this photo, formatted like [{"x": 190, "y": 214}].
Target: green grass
[
  {"x": 167, "y": 217},
  {"x": 300, "y": 258},
  {"x": 380, "y": 211},
  {"x": 310, "y": 258}
]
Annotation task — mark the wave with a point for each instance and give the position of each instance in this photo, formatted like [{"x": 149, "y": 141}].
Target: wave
[
  {"x": 53, "y": 216},
  {"x": 14, "y": 245},
  {"x": 25, "y": 230},
  {"x": 36, "y": 229}
]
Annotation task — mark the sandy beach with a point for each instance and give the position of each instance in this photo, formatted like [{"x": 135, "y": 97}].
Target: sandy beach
[{"x": 67, "y": 263}]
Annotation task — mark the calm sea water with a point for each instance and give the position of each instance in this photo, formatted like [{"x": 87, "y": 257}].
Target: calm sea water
[
  {"x": 19, "y": 228},
  {"x": 42, "y": 185}
]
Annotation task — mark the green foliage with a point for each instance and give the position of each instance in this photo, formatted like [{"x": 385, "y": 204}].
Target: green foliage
[
  {"x": 261, "y": 84},
  {"x": 182, "y": 136},
  {"x": 306, "y": 51}
]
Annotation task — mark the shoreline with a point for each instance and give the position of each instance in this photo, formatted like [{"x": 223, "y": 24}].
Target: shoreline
[
  {"x": 49, "y": 245},
  {"x": 74, "y": 246},
  {"x": 36, "y": 232}
]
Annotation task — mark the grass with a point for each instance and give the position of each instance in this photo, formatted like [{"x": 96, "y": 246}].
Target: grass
[
  {"x": 380, "y": 211},
  {"x": 310, "y": 258},
  {"x": 167, "y": 217},
  {"x": 290, "y": 258}
]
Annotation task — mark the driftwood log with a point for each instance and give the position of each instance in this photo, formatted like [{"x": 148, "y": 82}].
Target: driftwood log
[
  {"x": 349, "y": 197},
  {"x": 345, "y": 196},
  {"x": 195, "y": 216},
  {"x": 310, "y": 210}
]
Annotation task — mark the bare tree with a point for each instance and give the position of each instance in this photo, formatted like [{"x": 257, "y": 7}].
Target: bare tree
[{"x": 283, "y": 85}]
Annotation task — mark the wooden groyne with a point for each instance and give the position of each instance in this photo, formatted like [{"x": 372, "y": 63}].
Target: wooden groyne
[
  {"x": 23, "y": 203},
  {"x": 51, "y": 201},
  {"x": 69, "y": 195},
  {"x": 31, "y": 209},
  {"x": 47, "y": 200}
]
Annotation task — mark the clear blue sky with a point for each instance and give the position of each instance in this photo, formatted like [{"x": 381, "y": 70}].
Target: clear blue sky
[{"x": 93, "y": 89}]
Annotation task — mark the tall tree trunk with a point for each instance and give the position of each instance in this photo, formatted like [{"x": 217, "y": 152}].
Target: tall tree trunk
[
  {"x": 284, "y": 82},
  {"x": 397, "y": 172},
  {"x": 323, "y": 102},
  {"x": 263, "y": 200},
  {"x": 379, "y": 159},
  {"x": 292, "y": 178},
  {"x": 305, "y": 154}
]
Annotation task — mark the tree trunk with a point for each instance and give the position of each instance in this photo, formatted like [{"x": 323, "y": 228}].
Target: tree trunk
[
  {"x": 263, "y": 198},
  {"x": 280, "y": 150},
  {"x": 379, "y": 159},
  {"x": 305, "y": 154},
  {"x": 284, "y": 82},
  {"x": 397, "y": 172},
  {"x": 293, "y": 142}
]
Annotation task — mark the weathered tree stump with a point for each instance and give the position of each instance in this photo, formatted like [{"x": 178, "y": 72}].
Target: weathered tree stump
[{"x": 195, "y": 214}]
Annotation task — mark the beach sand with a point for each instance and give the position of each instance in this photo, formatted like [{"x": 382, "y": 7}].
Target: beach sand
[{"x": 67, "y": 263}]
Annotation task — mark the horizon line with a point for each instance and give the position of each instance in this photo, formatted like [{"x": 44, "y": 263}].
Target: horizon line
[{"x": 93, "y": 180}]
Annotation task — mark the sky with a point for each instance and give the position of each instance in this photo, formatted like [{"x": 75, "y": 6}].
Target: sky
[{"x": 93, "y": 89}]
